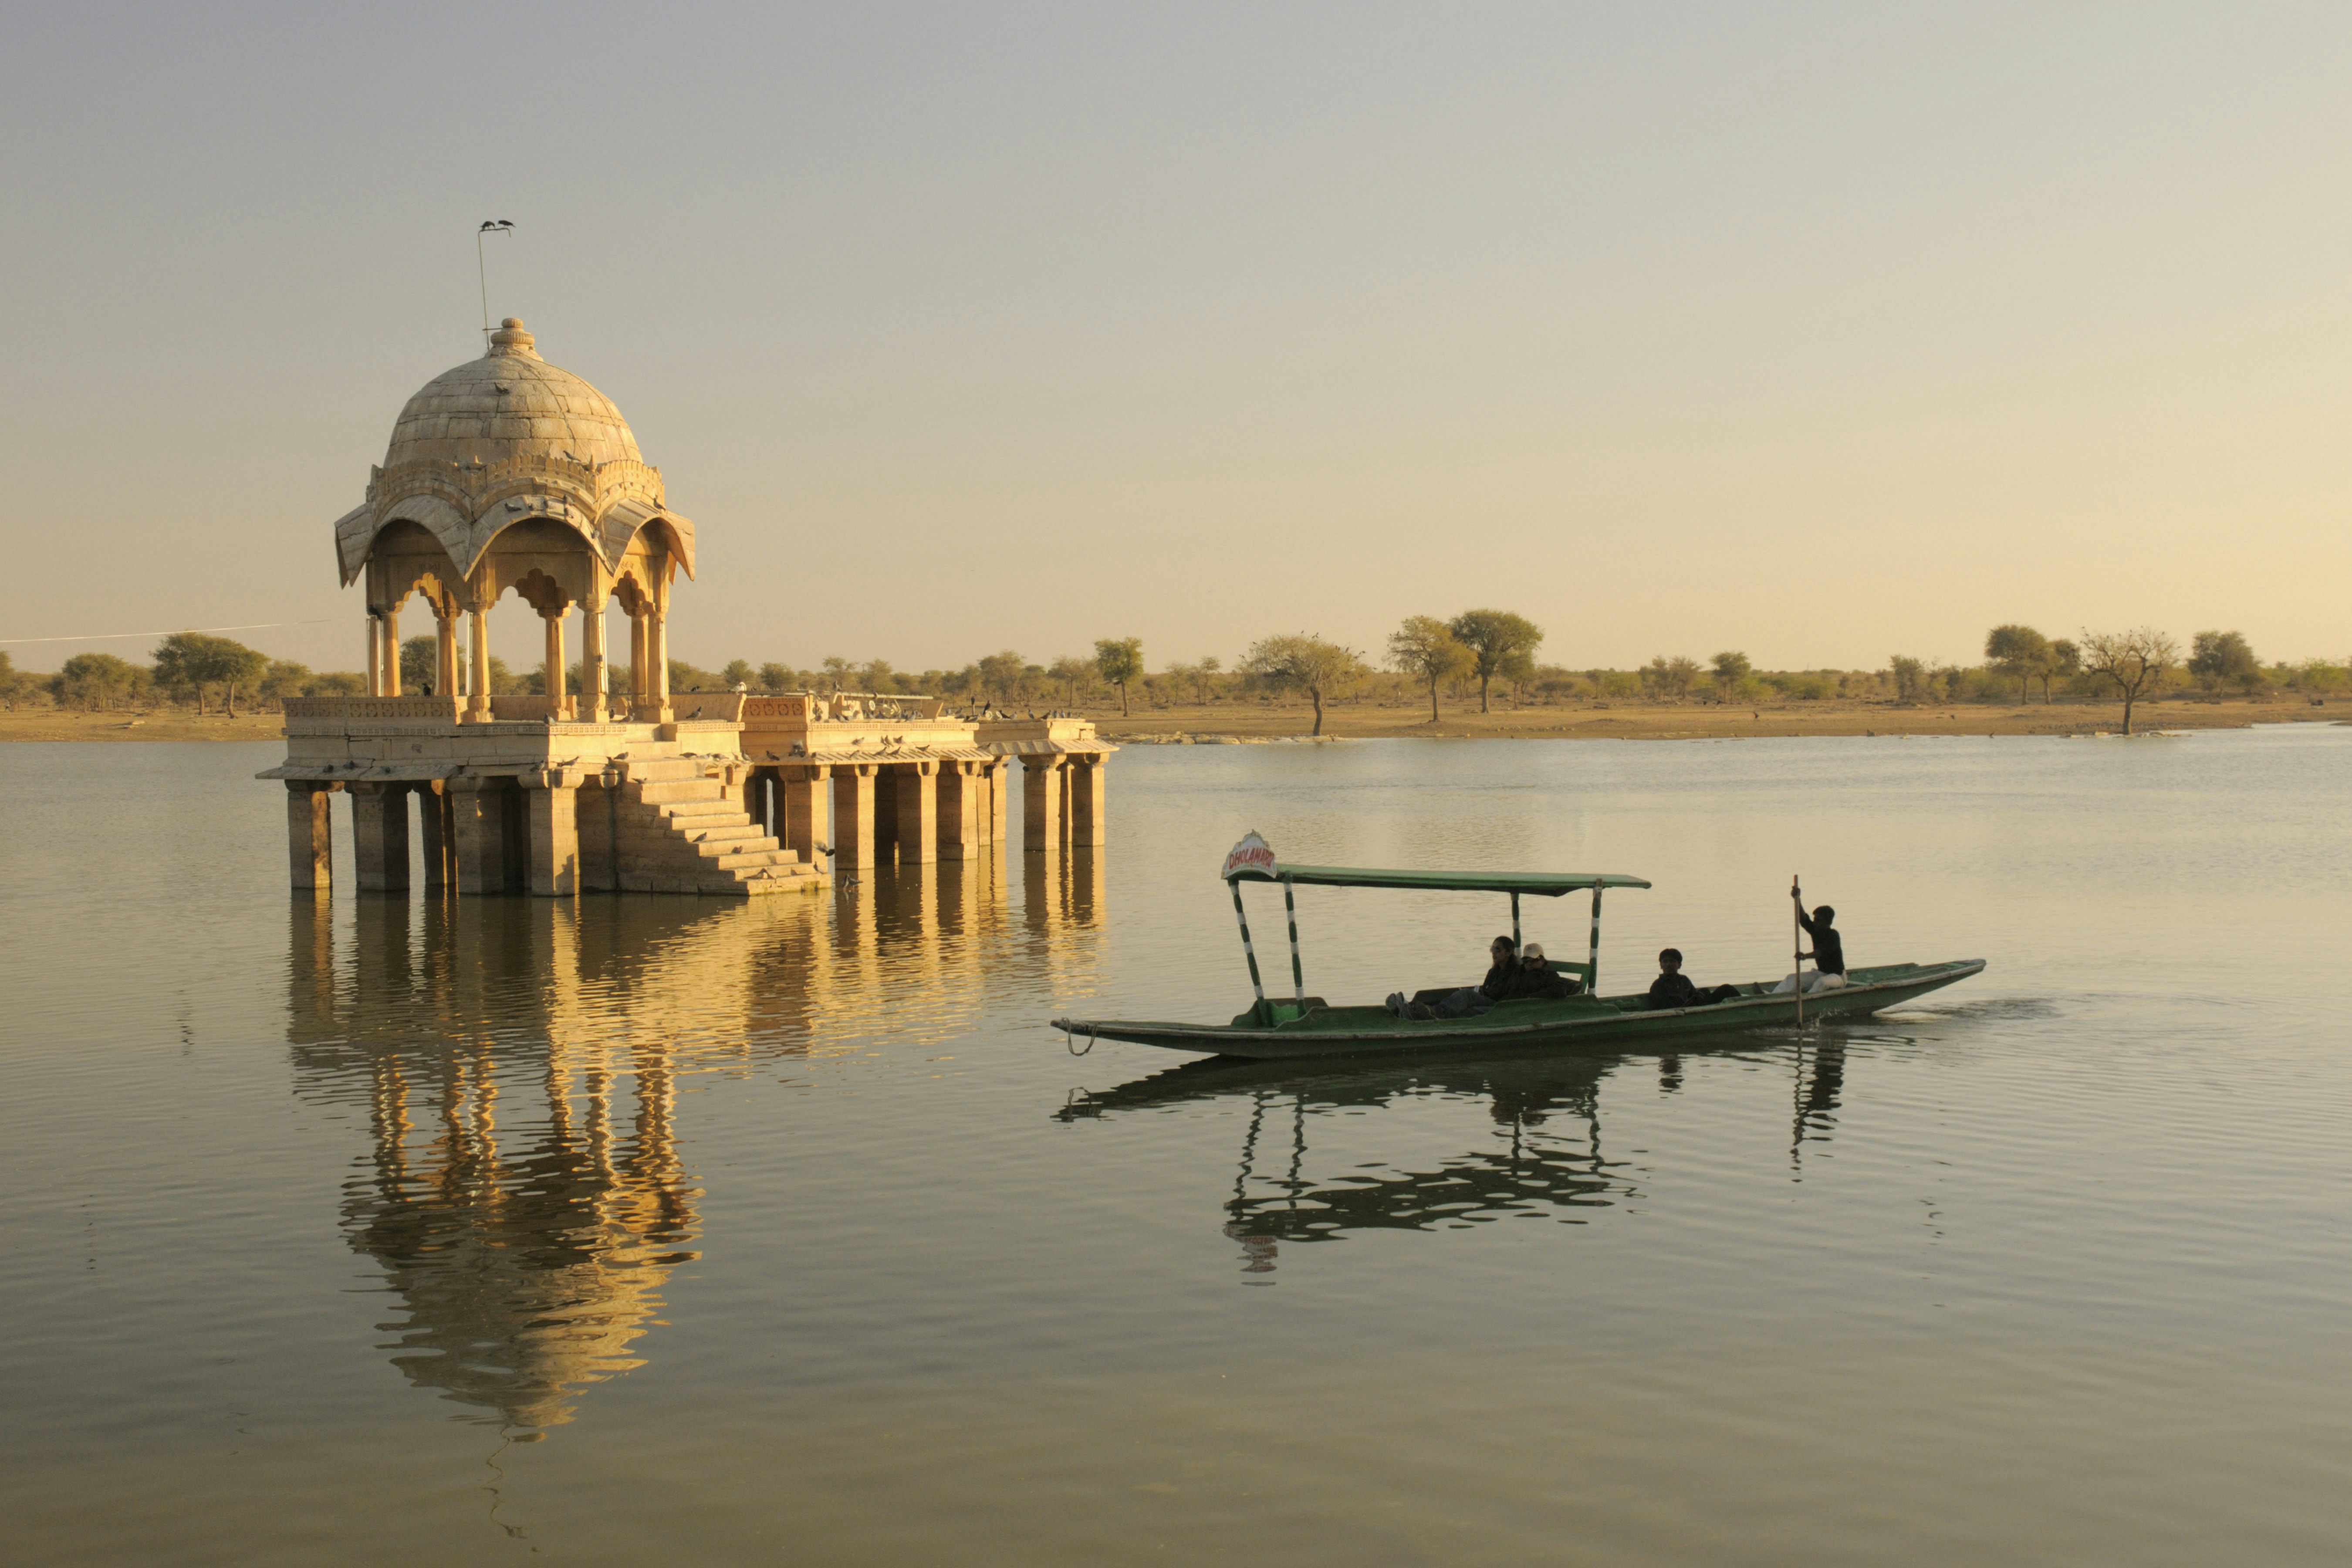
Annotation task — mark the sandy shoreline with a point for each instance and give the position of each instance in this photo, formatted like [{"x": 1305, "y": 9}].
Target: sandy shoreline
[{"x": 1244, "y": 721}]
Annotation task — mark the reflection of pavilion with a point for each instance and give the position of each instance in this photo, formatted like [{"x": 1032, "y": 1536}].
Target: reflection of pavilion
[
  {"x": 518, "y": 1062},
  {"x": 1548, "y": 1156}
]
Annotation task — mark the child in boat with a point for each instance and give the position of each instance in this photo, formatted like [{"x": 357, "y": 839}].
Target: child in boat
[
  {"x": 1672, "y": 988},
  {"x": 1536, "y": 979},
  {"x": 1828, "y": 972}
]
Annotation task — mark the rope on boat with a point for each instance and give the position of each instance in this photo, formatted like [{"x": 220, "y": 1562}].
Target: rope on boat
[{"x": 1070, "y": 1034}]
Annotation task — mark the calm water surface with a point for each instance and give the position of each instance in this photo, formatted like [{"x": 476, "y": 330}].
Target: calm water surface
[{"x": 649, "y": 1229}]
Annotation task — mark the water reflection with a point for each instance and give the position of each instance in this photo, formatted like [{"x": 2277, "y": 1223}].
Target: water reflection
[
  {"x": 520, "y": 1062},
  {"x": 1540, "y": 1153}
]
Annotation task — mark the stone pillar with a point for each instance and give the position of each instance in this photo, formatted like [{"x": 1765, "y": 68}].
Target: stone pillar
[
  {"x": 553, "y": 679},
  {"x": 1088, "y": 827},
  {"x": 445, "y": 632},
  {"x": 657, "y": 655},
  {"x": 375, "y": 655},
  {"x": 477, "y": 684},
  {"x": 917, "y": 786},
  {"x": 477, "y": 812},
  {"x": 379, "y": 836},
  {"x": 433, "y": 818},
  {"x": 592, "y": 655},
  {"x": 392, "y": 652},
  {"x": 999, "y": 790},
  {"x": 853, "y": 817},
  {"x": 551, "y": 799},
  {"x": 636, "y": 665},
  {"x": 960, "y": 813},
  {"x": 805, "y": 799},
  {"x": 1041, "y": 801},
  {"x": 310, "y": 834}
]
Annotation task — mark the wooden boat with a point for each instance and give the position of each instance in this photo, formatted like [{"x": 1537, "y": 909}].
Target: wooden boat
[{"x": 1303, "y": 1026}]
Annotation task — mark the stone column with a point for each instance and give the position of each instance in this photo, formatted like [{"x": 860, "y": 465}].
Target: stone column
[
  {"x": 477, "y": 812},
  {"x": 392, "y": 652},
  {"x": 1088, "y": 827},
  {"x": 999, "y": 790},
  {"x": 960, "y": 813},
  {"x": 917, "y": 787},
  {"x": 379, "y": 836},
  {"x": 636, "y": 665},
  {"x": 433, "y": 818},
  {"x": 1041, "y": 801},
  {"x": 478, "y": 685},
  {"x": 657, "y": 654},
  {"x": 553, "y": 679},
  {"x": 592, "y": 655},
  {"x": 445, "y": 632},
  {"x": 805, "y": 798},
  {"x": 853, "y": 817},
  {"x": 375, "y": 655},
  {"x": 551, "y": 799},
  {"x": 310, "y": 834}
]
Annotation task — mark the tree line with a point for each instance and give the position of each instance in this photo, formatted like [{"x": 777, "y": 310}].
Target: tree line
[{"x": 1485, "y": 655}]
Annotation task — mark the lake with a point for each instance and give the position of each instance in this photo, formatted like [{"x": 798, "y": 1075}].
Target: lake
[{"x": 388, "y": 1230}]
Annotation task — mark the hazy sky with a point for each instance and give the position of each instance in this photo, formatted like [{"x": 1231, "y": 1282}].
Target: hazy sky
[{"x": 1820, "y": 331}]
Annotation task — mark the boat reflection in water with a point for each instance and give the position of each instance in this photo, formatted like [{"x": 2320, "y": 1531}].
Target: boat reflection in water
[
  {"x": 520, "y": 1062},
  {"x": 1543, "y": 1154}
]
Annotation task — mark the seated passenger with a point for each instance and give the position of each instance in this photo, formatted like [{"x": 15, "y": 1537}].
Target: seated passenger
[
  {"x": 1828, "y": 972},
  {"x": 1536, "y": 979},
  {"x": 1672, "y": 988},
  {"x": 1470, "y": 1000}
]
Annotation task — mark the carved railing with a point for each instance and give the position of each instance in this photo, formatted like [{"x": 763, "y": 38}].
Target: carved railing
[
  {"x": 838, "y": 708},
  {"x": 426, "y": 709},
  {"x": 707, "y": 707},
  {"x": 517, "y": 708}
]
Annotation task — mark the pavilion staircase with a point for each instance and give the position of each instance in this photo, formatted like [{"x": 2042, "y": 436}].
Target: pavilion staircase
[{"x": 681, "y": 833}]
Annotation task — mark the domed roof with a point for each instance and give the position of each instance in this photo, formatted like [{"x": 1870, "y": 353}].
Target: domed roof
[{"x": 510, "y": 403}]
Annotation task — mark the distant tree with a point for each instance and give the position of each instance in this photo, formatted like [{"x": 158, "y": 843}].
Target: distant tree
[
  {"x": 336, "y": 683},
  {"x": 284, "y": 678},
  {"x": 1302, "y": 663},
  {"x": 1070, "y": 672},
  {"x": 1000, "y": 675},
  {"x": 2065, "y": 659},
  {"x": 776, "y": 678},
  {"x": 193, "y": 662},
  {"x": 2134, "y": 661},
  {"x": 1500, "y": 643},
  {"x": 685, "y": 677},
  {"x": 1119, "y": 660},
  {"x": 738, "y": 672},
  {"x": 1426, "y": 649},
  {"x": 13, "y": 681},
  {"x": 503, "y": 681},
  {"x": 1730, "y": 669},
  {"x": 1909, "y": 676},
  {"x": 2223, "y": 659},
  {"x": 420, "y": 661},
  {"x": 1665, "y": 678},
  {"x": 2019, "y": 652},
  {"x": 95, "y": 681}
]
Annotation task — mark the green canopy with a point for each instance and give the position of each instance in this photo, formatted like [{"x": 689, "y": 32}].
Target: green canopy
[{"x": 1536, "y": 884}]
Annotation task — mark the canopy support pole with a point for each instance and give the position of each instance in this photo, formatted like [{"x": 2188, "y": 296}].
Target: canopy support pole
[
  {"x": 1593, "y": 953},
  {"x": 1297, "y": 977},
  {"x": 1515, "y": 922},
  {"x": 1247, "y": 950}
]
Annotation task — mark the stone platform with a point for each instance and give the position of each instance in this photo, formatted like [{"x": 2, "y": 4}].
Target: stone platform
[{"x": 720, "y": 794}]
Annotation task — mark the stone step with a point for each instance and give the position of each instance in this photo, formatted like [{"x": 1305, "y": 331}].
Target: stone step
[
  {"x": 758, "y": 859},
  {"x": 713, "y": 849},
  {"x": 663, "y": 767},
  {"x": 693, "y": 811},
  {"x": 697, "y": 832}
]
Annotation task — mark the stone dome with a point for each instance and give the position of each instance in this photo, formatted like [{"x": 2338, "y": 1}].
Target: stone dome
[{"x": 510, "y": 403}]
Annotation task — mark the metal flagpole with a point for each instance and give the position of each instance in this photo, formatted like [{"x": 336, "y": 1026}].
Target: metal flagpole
[
  {"x": 1796, "y": 947},
  {"x": 481, "y": 267},
  {"x": 1248, "y": 952},
  {"x": 1297, "y": 979}
]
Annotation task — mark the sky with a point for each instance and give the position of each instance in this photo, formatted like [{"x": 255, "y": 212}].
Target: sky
[{"x": 1820, "y": 331}]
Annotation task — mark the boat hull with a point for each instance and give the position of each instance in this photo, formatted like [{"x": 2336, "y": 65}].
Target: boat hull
[{"x": 1373, "y": 1031}]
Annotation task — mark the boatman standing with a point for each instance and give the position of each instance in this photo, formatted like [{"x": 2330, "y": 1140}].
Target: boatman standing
[{"x": 1828, "y": 972}]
